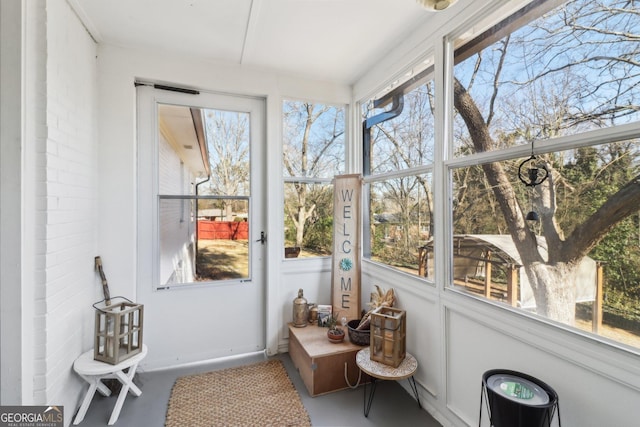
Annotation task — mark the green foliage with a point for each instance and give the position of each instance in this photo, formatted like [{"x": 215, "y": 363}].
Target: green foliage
[
  {"x": 318, "y": 229},
  {"x": 318, "y": 236},
  {"x": 377, "y": 244},
  {"x": 595, "y": 174},
  {"x": 622, "y": 273}
]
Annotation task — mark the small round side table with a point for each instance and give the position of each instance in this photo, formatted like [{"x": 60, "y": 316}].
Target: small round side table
[{"x": 380, "y": 371}]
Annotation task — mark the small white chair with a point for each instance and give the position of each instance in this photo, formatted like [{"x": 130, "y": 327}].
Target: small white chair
[{"x": 94, "y": 371}]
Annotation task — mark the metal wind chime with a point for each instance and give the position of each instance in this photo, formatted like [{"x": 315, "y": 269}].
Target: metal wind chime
[{"x": 531, "y": 174}]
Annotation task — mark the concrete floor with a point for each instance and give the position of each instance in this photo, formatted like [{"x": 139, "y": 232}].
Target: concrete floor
[{"x": 392, "y": 405}]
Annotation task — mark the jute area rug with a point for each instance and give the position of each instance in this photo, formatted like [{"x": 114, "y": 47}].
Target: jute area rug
[{"x": 255, "y": 395}]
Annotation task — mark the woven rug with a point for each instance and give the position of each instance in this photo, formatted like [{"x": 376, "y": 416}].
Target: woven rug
[{"x": 256, "y": 395}]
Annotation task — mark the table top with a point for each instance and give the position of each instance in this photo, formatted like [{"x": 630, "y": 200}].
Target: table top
[
  {"x": 316, "y": 344},
  {"x": 381, "y": 371},
  {"x": 87, "y": 365}
]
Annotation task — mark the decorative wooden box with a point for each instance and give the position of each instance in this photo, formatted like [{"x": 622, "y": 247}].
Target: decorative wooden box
[
  {"x": 321, "y": 363},
  {"x": 388, "y": 336},
  {"x": 118, "y": 331}
]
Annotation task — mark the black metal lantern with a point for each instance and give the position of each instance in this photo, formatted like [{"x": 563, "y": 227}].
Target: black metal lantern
[{"x": 535, "y": 175}]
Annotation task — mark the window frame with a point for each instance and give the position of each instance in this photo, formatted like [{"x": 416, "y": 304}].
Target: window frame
[
  {"x": 420, "y": 72},
  {"x": 608, "y": 135}
]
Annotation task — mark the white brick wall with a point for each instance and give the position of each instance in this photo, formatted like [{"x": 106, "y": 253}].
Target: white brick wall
[
  {"x": 66, "y": 223},
  {"x": 11, "y": 129}
]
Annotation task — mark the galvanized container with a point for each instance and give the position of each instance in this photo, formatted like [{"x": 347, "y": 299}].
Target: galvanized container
[{"x": 300, "y": 311}]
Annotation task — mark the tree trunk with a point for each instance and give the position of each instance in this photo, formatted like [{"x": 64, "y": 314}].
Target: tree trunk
[
  {"x": 302, "y": 217},
  {"x": 554, "y": 289}
]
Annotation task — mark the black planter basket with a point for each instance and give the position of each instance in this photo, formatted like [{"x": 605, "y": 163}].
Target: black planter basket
[{"x": 358, "y": 336}]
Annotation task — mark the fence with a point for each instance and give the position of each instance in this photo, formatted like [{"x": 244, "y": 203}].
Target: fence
[{"x": 223, "y": 230}]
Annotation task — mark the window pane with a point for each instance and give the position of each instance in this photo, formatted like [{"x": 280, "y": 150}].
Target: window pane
[
  {"x": 572, "y": 70},
  {"x": 216, "y": 247},
  {"x": 313, "y": 140},
  {"x": 308, "y": 223},
  {"x": 407, "y": 140},
  {"x": 223, "y": 239},
  {"x": 204, "y": 188},
  {"x": 313, "y": 153},
  {"x": 228, "y": 141},
  {"x": 589, "y": 224},
  {"x": 177, "y": 241},
  {"x": 401, "y": 222}
]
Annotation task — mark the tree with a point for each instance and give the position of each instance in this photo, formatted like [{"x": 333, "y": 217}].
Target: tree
[
  {"x": 587, "y": 54},
  {"x": 228, "y": 137},
  {"x": 229, "y": 149}
]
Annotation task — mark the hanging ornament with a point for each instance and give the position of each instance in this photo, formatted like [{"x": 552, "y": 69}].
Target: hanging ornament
[
  {"x": 534, "y": 175},
  {"x": 530, "y": 174}
]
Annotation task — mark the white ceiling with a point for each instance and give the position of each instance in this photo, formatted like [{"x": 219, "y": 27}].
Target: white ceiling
[{"x": 331, "y": 40}]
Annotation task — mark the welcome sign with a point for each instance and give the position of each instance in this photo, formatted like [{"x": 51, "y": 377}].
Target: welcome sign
[{"x": 345, "y": 269}]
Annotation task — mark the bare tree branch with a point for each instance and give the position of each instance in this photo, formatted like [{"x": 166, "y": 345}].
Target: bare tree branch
[{"x": 496, "y": 79}]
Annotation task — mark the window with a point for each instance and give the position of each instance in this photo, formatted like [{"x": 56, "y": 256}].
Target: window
[
  {"x": 551, "y": 82},
  {"x": 399, "y": 154},
  {"x": 313, "y": 153},
  {"x": 203, "y": 186}
]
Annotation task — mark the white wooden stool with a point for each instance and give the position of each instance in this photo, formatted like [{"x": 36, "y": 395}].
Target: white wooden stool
[{"x": 94, "y": 371}]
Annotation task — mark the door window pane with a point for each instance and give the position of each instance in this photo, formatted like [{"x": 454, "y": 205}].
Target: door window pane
[{"x": 204, "y": 194}]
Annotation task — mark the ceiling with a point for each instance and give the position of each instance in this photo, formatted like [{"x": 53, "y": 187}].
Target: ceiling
[{"x": 330, "y": 40}]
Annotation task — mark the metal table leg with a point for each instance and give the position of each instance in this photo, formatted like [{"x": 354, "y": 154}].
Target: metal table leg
[
  {"x": 367, "y": 402},
  {"x": 412, "y": 383}
]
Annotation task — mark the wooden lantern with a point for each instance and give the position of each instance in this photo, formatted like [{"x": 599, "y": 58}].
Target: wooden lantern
[
  {"x": 118, "y": 331},
  {"x": 388, "y": 336}
]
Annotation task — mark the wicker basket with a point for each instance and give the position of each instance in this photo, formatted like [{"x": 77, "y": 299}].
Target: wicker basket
[{"x": 358, "y": 336}]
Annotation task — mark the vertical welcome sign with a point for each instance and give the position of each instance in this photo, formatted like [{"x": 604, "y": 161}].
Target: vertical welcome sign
[{"x": 345, "y": 269}]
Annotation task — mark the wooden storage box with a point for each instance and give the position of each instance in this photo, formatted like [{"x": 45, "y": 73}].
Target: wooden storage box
[
  {"x": 321, "y": 363},
  {"x": 118, "y": 331},
  {"x": 388, "y": 336}
]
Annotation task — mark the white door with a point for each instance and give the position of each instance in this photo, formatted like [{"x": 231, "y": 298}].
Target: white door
[{"x": 201, "y": 248}]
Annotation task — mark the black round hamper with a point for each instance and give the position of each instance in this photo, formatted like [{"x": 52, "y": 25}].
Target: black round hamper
[{"x": 515, "y": 399}]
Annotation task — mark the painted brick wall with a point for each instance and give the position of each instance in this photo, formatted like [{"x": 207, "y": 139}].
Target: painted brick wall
[{"x": 67, "y": 197}]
